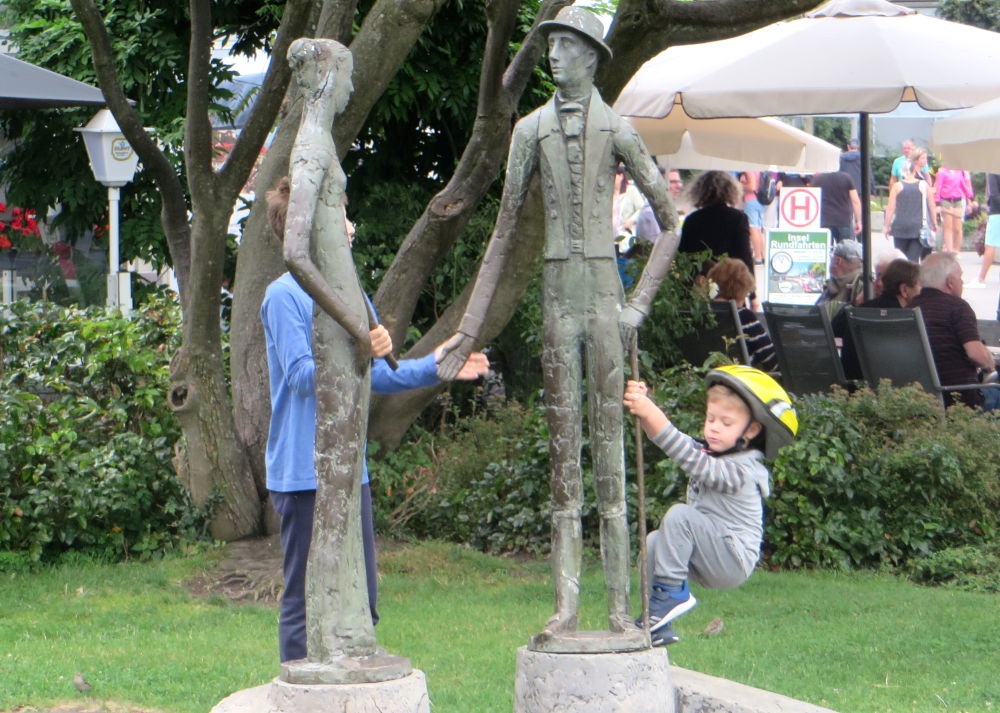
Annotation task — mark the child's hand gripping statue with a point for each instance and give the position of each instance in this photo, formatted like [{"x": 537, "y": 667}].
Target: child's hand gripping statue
[{"x": 714, "y": 538}]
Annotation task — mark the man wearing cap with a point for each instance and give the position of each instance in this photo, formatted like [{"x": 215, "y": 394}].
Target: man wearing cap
[
  {"x": 574, "y": 143},
  {"x": 845, "y": 285}
]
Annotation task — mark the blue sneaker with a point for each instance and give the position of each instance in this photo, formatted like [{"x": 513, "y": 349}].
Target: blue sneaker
[
  {"x": 666, "y": 605},
  {"x": 665, "y": 636}
]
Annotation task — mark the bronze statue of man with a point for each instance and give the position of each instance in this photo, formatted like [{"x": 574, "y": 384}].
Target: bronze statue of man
[{"x": 576, "y": 143}]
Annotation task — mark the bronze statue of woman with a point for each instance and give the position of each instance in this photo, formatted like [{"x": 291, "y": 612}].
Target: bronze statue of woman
[{"x": 317, "y": 252}]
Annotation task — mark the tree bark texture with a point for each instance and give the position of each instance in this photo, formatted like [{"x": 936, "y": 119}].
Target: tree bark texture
[{"x": 215, "y": 460}]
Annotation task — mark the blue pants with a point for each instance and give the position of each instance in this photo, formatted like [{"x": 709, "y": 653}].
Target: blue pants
[{"x": 296, "y": 512}]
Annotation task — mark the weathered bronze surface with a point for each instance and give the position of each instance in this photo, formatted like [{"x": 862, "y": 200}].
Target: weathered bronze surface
[
  {"x": 340, "y": 634},
  {"x": 575, "y": 143}
]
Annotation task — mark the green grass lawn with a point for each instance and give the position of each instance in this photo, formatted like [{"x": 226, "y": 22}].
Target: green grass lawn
[{"x": 855, "y": 643}]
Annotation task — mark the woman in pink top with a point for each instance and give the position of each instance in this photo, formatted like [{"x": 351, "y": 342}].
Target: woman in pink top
[{"x": 952, "y": 188}]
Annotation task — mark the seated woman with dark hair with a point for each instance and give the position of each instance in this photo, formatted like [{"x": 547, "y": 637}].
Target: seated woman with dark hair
[
  {"x": 735, "y": 282},
  {"x": 900, "y": 284}
]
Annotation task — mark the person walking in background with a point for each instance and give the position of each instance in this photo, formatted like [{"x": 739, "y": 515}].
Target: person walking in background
[
  {"x": 647, "y": 227},
  {"x": 754, "y": 210},
  {"x": 992, "y": 240},
  {"x": 840, "y": 208},
  {"x": 911, "y": 207},
  {"x": 896, "y": 174},
  {"x": 850, "y": 163},
  {"x": 952, "y": 188}
]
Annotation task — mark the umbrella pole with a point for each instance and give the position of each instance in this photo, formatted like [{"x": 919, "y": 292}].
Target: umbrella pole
[{"x": 864, "y": 138}]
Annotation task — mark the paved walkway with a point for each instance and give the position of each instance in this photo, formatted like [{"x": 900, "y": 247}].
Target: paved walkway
[{"x": 982, "y": 299}]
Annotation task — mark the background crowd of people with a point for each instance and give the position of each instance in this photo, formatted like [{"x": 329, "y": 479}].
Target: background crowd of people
[{"x": 728, "y": 214}]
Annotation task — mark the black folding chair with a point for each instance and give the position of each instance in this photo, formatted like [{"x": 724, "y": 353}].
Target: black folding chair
[
  {"x": 892, "y": 344},
  {"x": 725, "y": 336},
  {"x": 807, "y": 351}
]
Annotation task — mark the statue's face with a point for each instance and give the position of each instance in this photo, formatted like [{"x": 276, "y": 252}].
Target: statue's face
[{"x": 571, "y": 59}]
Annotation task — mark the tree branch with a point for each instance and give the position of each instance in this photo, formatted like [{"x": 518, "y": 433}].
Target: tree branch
[
  {"x": 174, "y": 211},
  {"x": 644, "y": 28},
  {"x": 376, "y": 60},
  {"x": 234, "y": 173},
  {"x": 197, "y": 126},
  {"x": 446, "y": 215}
]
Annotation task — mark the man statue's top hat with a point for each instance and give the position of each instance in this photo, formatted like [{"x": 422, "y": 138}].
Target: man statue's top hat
[{"x": 583, "y": 22}]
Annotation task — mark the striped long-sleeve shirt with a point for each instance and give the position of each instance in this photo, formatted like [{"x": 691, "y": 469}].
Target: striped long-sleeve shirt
[
  {"x": 728, "y": 488},
  {"x": 759, "y": 345}
]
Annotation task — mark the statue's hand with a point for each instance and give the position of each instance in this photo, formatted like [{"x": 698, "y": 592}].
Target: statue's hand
[
  {"x": 452, "y": 356},
  {"x": 628, "y": 325}
]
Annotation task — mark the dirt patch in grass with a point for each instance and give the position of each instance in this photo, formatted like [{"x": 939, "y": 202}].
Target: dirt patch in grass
[
  {"x": 105, "y": 707},
  {"x": 249, "y": 572}
]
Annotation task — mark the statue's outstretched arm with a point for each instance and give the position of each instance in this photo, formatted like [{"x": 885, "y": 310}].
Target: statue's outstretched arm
[
  {"x": 521, "y": 163},
  {"x": 647, "y": 177}
]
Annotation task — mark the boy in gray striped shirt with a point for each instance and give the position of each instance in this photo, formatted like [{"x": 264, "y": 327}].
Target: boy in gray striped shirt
[{"x": 713, "y": 538}]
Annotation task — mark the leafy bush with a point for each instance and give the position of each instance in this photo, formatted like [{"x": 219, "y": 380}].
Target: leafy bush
[
  {"x": 974, "y": 568},
  {"x": 86, "y": 438},
  {"x": 484, "y": 483},
  {"x": 873, "y": 480},
  {"x": 882, "y": 479}
]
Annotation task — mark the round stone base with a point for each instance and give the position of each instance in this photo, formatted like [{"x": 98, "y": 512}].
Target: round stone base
[
  {"x": 378, "y": 667},
  {"x": 590, "y": 642},
  {"x": 628, "y": 682},
  {"x": 401, "y": 695}
]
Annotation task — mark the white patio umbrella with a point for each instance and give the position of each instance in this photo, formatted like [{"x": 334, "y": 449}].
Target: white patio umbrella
[
  {"x": 847, "y": 56},
  {"x": 735, "y": 144},
  {"x": 970, "y": 139}
]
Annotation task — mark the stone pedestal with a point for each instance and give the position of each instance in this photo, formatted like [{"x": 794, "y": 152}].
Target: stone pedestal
[
  {"x": 401, "y": 695},
  {"x": 377, "y": 668},
  {"x": 622, "y": 682}
]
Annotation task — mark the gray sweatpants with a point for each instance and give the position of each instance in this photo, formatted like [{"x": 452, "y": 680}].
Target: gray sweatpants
[{"x": 689, "y": 544}]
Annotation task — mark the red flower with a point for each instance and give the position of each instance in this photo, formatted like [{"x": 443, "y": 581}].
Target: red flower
[{"x": 4, "y": 242}]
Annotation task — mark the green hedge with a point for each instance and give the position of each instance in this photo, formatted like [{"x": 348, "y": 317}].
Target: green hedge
[
  {"x": 883, "y": 478},
  {"x": 86, "y": 438},
  {"x": 873, "y": 480}
]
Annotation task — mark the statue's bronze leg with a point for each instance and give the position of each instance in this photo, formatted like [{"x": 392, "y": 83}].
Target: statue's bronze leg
[
  {"x": 561, "y": 366},
  {"x": 606, "y": 383}
]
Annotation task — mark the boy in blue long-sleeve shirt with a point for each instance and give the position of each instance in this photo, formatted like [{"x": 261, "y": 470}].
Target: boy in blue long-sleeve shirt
[{"x": 287, "y": 315}]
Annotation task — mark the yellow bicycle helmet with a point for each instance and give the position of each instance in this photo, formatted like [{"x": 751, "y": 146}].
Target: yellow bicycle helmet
[{"x": 769, "y": 403}]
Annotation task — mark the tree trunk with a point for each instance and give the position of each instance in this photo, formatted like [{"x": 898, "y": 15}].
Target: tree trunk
[
  {"x": 258, "y": 265},
  {"x": 391, "y": 415},
  {"x": 220, "y": 474}
]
